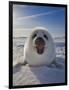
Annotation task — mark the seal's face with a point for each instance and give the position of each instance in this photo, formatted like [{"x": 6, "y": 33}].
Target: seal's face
[{"x": 40, "y": 39}]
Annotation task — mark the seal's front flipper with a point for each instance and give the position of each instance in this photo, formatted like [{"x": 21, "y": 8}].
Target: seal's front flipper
[
  {"x": 57, "y": 65},
  {"x": 24, "y": 63}
]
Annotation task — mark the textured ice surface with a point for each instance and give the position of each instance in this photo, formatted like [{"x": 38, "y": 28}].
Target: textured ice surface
[{"x": 26, "y": 75}]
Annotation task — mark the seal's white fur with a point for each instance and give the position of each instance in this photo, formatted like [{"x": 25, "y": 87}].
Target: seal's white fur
[{"x": 30, "y": 54}]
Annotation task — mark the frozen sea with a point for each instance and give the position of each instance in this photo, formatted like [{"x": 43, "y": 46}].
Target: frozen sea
[{"x": 26, "y": 75}]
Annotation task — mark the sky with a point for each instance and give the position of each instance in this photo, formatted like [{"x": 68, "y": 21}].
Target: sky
[{"x": 26, "y": 17}]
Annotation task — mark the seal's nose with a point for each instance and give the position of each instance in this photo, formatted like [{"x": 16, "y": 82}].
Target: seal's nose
[{"x": 39, "y": 40}]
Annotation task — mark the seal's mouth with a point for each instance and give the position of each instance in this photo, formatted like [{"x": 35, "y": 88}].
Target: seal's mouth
[{"x": 39, "y": 45}]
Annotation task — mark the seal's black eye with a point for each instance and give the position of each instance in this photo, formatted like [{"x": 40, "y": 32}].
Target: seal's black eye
[
  {"x": 34, "y": 36},
  {"x": 45, "y": 37}
]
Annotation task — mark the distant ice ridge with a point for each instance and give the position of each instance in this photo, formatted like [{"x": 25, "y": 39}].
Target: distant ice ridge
[
  {"x": 59, "y": 39},
  {"x": 60, "y": 52}
]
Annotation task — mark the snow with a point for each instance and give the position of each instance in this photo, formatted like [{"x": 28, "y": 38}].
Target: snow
[
  {"x": 32, "y": 75},
  {"x": 28, "y": 75}
]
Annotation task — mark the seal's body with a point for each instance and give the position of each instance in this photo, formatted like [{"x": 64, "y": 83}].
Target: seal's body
[{"x": 39, "y": 48}]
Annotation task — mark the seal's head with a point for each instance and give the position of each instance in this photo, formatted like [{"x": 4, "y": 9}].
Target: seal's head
[{"x": 40, "y": 40}]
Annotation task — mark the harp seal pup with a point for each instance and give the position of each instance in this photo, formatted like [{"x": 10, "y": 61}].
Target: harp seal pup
[{"x": 39, "y": 48}]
